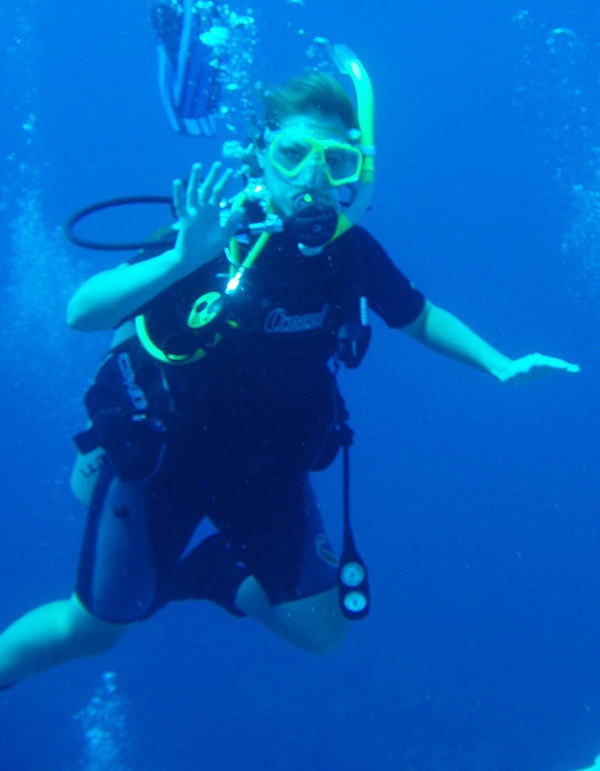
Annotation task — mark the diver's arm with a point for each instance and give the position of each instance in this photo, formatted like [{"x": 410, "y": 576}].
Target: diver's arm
[
  {"x": 107, "y": 298},
  {"x": 442, "y": 332},
  {"x": 111, "y": 296}
]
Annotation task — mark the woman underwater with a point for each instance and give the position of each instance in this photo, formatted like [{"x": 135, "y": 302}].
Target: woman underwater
[{"x": 217, "y": 399}]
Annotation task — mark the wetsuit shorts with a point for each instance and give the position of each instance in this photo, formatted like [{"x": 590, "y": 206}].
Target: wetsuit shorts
[{"x": 135, "y": 556}]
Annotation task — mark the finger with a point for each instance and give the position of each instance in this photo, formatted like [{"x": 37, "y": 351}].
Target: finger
[
  {"x": 192, "y": 195},
  {"x": 205, "y": 190},
  {"x": 221, "y": 184},
  {"x": 179, "y": 198},
  {"x": 554, "y": 363}
]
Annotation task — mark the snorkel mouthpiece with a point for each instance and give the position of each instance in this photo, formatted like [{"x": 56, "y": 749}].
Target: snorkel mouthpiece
[{"x": 312, "y": 224}]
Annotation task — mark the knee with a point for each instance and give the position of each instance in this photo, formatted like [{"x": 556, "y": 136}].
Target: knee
[
  {"x": 315, "y": 624},
  {"x": 328, "y": 638},
  {"x": 324, "y": 627},
  {"x": 97, "y": 642},
  {"x": 89, "y": 634}
]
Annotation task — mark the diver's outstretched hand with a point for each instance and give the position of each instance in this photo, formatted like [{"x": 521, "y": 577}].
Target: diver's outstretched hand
[
  {"x": 202, "y": 236},
  {"x": 533, "y": 366}
]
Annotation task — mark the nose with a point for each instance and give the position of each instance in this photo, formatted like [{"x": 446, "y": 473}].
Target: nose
[{"x": 314, "y": 173}]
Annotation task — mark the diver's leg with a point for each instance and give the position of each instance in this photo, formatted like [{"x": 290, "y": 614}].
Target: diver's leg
[
  {"x": 50, "y": 635},
  {"x": 116, "y": 586},
  {"x": 291, "y": 586},
  {"x": 315, "y": 623},
  {"x": 215, "y": 571}
]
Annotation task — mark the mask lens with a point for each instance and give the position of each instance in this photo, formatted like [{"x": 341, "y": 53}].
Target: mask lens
[
  {"x": 288, "y": 154},
  {"x": 344, "y": 163}
]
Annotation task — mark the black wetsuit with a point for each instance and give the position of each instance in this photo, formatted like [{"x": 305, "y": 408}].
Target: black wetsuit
[{"x": 244, "y": 426}]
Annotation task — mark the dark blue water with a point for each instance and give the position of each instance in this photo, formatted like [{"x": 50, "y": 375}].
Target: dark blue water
[{"x": 475, "y": 505}]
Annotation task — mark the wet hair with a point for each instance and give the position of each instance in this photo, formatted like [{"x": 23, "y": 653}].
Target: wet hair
[{"x": 312, "y": 93}]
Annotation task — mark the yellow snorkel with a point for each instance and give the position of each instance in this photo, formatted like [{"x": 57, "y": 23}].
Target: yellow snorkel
[{"x": 349, "y": 64}]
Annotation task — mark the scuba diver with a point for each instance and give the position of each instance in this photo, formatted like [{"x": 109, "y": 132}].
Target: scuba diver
[{"x": 217, "y": 398}]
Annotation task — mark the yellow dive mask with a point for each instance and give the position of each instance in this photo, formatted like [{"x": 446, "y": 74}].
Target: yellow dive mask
[{"x": 341, "y": 162}]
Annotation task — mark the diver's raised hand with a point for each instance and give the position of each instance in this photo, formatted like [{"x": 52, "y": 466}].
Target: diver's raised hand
[
  {"x": 202, "y": 236},
  {"x": 533, "y": 366},
  {"x": 110, "y": 296}
]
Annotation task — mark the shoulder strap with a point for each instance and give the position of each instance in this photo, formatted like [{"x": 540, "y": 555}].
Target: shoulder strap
[{"x": 354, "y": 336}]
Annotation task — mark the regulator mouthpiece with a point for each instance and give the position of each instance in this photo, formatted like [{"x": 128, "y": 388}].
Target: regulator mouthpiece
[{"x": 313, "y": 223}]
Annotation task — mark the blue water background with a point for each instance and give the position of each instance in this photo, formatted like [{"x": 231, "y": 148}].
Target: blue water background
[{"x": 475, "y": 505}]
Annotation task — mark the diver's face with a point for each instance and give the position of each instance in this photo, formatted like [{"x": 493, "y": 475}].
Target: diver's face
[{"x": 312, "y": 177}]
